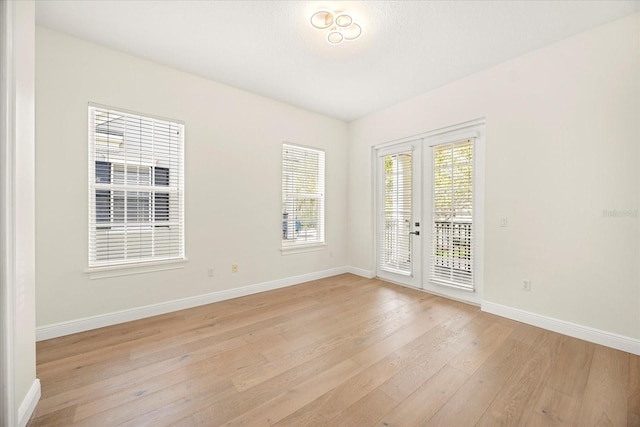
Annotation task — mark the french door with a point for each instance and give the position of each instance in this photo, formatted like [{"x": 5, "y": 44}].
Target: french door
[
  {"x": 398, "y": 196},
  {"x": 428, "y": 212}
]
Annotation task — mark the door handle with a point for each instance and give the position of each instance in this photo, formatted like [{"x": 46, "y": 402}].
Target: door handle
[{"x": 417, "y": 233}]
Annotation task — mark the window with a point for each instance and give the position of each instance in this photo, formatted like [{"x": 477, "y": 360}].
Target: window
[
  {"x": 394, "y": 253},
  {"x": 302, "y": 196},
  {"x": 136, "y": 188},
  {"x": 452, "y": 228}
]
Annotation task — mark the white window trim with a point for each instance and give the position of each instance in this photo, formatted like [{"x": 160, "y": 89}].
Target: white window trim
[
  {"x": 135, "y": 268},
  {"x": 292, "y": 247},
  {"x": 296, "y": 249},
  {"x": 126, "y": 268}
]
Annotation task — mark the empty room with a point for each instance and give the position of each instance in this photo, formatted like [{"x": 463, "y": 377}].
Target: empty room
[{"x": 307, "y": 213}]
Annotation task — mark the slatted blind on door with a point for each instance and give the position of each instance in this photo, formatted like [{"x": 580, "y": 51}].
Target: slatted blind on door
[
  {"x": 452, "y": 227},
  {"x": 394, "y": 241},
  {"x": 136, "y": 188}
]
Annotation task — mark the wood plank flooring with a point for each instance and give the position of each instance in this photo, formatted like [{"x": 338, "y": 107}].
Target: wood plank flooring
[{"x": 342, "y": 351}]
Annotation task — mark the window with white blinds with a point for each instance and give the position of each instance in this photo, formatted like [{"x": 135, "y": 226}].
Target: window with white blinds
[
  {"x": 136, "y": 188},
  {"x": 302, "y": 196},
  {"x": 394, "y": 253},
  {"x": 452, "y": 228}
]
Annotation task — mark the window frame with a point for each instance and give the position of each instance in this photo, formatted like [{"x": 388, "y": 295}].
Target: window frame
[
  {"x": 174, "y": 224},
  {"x": 288, "y": 245}
]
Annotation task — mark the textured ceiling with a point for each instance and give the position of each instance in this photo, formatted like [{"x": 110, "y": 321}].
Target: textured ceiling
[{"x": 269, "y": 48}]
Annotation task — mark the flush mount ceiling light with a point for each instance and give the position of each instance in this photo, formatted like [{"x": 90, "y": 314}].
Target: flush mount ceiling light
[{"x": 339, "y": 26}]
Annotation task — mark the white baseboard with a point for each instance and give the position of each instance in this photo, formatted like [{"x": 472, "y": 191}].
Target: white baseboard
[
  {"x": 28, "y": 405},
  {"x": 361, "y": 272},
  {"x": 85, "y": 324},
  {"x": 619, "y": 342}
]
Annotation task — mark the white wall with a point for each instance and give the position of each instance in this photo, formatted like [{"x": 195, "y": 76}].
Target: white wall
[
  {"x": 21, "y": 389},
  {"x": 561, "y": 150},
  {"x": 562, "y": 147},
  {"x": 233, "y": 208}
]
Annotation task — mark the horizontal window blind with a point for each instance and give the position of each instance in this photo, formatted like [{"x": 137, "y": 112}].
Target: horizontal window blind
[
  {"x": 302, "y": 195},
  {"x": 452, "y": 228},
  {"x": 394, "y": 251},
  {"x": 136, "y": 188}
]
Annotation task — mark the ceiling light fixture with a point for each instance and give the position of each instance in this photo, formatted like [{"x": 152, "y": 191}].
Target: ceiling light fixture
[{"x": 339, "y": 26}]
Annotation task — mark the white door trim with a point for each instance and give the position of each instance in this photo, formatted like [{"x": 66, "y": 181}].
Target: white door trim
[
  {"x": 460, "y": 127},
  {"x": 415, "y": 147},
  {"x": 469, "y": 129},
  {"x": 7, "y": 238},
  {"x": 475, "y": 130}
]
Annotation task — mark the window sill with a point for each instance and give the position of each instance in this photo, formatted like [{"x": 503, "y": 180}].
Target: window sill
[
  {"x": 132, "y": 269},
  {"x": 289, "y": 250}
]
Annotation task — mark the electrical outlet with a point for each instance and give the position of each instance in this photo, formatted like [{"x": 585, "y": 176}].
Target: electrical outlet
[
  {"x": 234, "y": 268},
  {"x": 209, "y": 272},
  {"x": 504, "y": 221},
  {"x": 526, "y": 285}
]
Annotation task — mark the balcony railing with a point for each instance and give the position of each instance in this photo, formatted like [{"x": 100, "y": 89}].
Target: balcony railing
[
  {"x": 396, "y": 245},
  {"x": 452, "y": 250},
  {"x": 452, "y": 246}
]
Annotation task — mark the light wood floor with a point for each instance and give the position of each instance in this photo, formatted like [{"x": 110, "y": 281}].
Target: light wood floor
[{"x": 343, "y": 351}]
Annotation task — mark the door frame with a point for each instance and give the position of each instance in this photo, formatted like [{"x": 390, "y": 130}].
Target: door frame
[
  {"x": 477, "y": 129},
  {"x": 8, "y": 415},
  {"x": 413, "y": 280}
]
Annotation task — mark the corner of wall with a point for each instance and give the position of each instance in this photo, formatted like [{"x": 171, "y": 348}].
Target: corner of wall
[{"x": 368, "y": 274}]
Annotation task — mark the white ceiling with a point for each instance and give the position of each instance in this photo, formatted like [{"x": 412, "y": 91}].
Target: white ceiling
[{"x": 269, "y": 48}]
